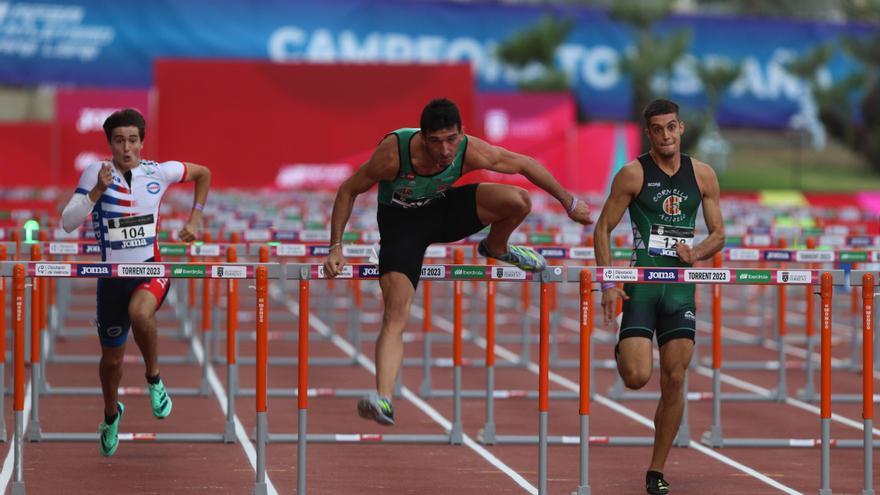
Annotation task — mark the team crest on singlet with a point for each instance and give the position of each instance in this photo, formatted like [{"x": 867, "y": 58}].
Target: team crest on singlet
[
  {"x": 672, "y": 205},
  {"x": 671, "y": 202}
]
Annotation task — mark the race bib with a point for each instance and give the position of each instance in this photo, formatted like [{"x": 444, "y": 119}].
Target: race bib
[
  {"x": 664, "y": 238},
  {"x": 131, "y": 232}
]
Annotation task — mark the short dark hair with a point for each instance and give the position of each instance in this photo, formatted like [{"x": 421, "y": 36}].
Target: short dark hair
[
  {"x": 659, "y": 106},
  {"x": 124, "y": 118},
  {"x": 440, "y": 113}
]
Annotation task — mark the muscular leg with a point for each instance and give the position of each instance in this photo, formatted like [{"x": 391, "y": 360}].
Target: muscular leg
[
  {"x": 504, "y": 208},
  {"x": 675, "y": 356},
  {"x": 110, "y": 371},
  {"x": 397, "y": 292},
  {"x": 142, "y": 311},
  {"x": 635, "y": 362}
]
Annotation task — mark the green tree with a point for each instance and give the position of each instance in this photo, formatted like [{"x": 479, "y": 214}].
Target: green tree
[
  {"x": 651, "y": 55},
  {"x": 537, "y": 45},
  {"x": 859, "y": 90}
]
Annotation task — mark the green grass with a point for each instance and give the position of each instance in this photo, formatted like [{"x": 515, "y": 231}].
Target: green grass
[{"x": 763, "y": 160}]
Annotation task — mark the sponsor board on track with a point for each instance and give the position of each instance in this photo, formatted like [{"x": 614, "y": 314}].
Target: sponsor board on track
[
  {"x": 433, "y": 271},
  {"x": 468, "y": 272},
  {"x": 290, "y": 250},
  {"x": 368, "y": 271},
  {"x": 144, "y": 270},
  {"x": 204, "y": 250},
  {"x": 777, "y": 255},
  {"x": 314, "y": 235},
  {"x": 552, "y": 252},
  {"x": 852, "y": 256},
  {"x": 172, "y": 249},
  {"x": 229, "y": 271},
  {"x": 53, "y": 270},
  {"x": 814, "y": 256},
  {"x": 257, "y": 235},
  {"x": 582, "y": 253},
  {"x": 722, "y": 276},
  {"x": 754, "y": 276},
  {"x": 507, "y": 273},
  {"x": 744, "y": 254},
  {"x": 794, "y": 277},
  {"x": 620, "y": 275},
  {"x": 658, "y": 275},
  {"x": 84, "y": 270},
  {"x": 357, "y": 250},
  {"x": 188, "y": 271},
  {"x": 63, "y": 248},
  {"x": 347, "y": 272}
]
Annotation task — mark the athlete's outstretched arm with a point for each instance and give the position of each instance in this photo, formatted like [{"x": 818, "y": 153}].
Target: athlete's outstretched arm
[
  {"x": 482, "y": 155},
  {"x": 711, "y": 192},
  {"x": 382, "y": 165},
  {"x": 624, "y": 187},
  {"x": 201, "y": 175}
]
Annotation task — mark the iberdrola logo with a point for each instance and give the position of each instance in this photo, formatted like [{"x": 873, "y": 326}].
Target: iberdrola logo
[{"x": 672, "y": 205}]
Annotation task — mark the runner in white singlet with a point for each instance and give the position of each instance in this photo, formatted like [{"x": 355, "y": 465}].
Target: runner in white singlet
[{"x": 123, "y": 196}]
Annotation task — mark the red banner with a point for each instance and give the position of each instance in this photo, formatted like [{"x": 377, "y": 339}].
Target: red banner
[
  {"x": 299, "y": 126},
  {"x": 26, "y": 158},
  {"x": 543, "y": 125},
  {"x": 80, "y": 114}
]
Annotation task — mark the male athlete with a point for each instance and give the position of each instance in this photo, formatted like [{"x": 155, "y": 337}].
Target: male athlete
[
  {"x": 419, "y": 206},
  {"x": 123, "y": 198},
  {"x": 663, "y": 189}
]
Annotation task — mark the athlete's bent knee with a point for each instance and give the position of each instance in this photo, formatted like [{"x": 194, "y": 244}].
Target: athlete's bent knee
[
  {"x": 634, "y": 379},
  {"x": 522, "y": 203}
]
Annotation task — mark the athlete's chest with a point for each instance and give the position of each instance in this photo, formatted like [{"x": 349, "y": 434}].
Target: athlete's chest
[
  {"x": 143, "y": 190},
  {"x": 673, "y": 199}
]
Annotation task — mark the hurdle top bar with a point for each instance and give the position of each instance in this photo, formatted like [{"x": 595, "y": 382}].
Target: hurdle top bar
[
  {"x": 749, "y": 276},
  {"x": 52, "y": 269},
  {"x": 472, "y": 273}
]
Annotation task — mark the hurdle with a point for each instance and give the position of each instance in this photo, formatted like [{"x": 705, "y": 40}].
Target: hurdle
[
  {"x": 45, "y": 388},
  {"x": 39, "y": 271},
  {"x": 68, "y": 248},
  {"x": 828, "y": 280},
  {"x": 304, "y": 273}
]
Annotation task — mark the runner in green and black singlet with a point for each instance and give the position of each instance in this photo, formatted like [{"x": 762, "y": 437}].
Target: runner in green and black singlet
[
  {"x": 662, "y": 190},
  {"x": 411, "y": 190},
  {"x": 418, "y": 206},
  {"x": 663, "y": 215}
]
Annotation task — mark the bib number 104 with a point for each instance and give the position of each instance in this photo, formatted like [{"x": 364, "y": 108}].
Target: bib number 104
[{"x": 132, "y": 233}]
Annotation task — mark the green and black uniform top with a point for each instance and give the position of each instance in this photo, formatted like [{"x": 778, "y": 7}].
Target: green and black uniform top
[
  {"x": 664, "y": 213},
  {"x": 411, "y": 190}
]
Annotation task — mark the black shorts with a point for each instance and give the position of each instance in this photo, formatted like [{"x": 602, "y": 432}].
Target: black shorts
[
  {"x": 113, "y": 296},
  {"x": 664, "y": 310},
  {"x": 405, "y": 233}
]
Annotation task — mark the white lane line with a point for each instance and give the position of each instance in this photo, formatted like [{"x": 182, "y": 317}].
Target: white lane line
[
  {"x": 9, "y": 462},
  {"x": 240, "y": 433},
  {"x": 503, "y": 352},
  {"x": 426, "y": 408}
]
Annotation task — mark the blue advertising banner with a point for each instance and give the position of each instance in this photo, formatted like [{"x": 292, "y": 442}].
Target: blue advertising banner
[{"x": 114, "y": 42}]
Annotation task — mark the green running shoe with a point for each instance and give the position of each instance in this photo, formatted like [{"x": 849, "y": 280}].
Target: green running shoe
[
  {"x": 521, "y": 257},
  {"x": 159, "y": 400},
  {"x": 377, "y": 408},
  {"x": 109, "y": 434}
]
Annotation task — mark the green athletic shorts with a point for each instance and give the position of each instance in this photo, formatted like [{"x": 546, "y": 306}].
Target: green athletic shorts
[{"x": 665, "y": 309}]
